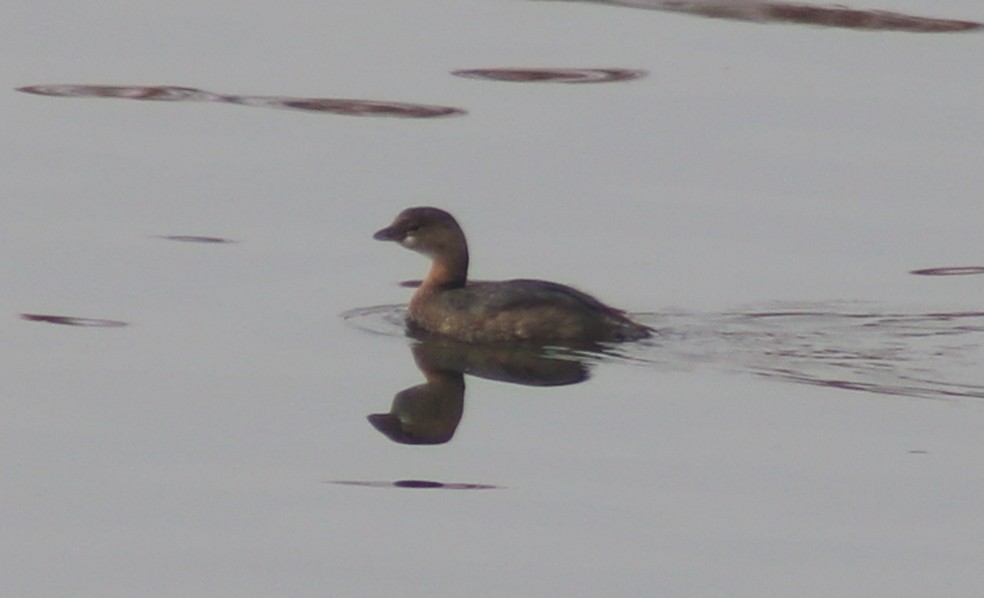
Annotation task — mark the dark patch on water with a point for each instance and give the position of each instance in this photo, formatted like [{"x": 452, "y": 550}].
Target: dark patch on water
[
  {"x": 195, "y": 239},
  {"x": 533, "y": 75},
  {"x": 951, "y": 271},
  {"x": 837, "y": 16},
  {"x": 72, "y": 321},
  {"x": 416, "y": 484},
  {"x": 171, "y": 93}
]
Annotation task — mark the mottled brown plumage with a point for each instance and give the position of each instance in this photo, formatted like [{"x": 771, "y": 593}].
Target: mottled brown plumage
[{"x": 447, "y": 303}]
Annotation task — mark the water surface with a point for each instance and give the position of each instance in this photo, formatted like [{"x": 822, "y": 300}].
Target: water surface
[{"x": 791, "y": 194}]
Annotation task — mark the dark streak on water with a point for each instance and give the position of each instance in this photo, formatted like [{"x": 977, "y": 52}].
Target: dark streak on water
[
  {"x": 415, "y": 484},
  {"x": 805, "y": 14},
  {"x": 73, "y": 321},
  {"x": 195, "y": 239},
  {"x": 171, "y": 93},
  {"x": 934, "y": 355},
  {"x": 952, "y": 271},
  {"x": 527, "y": 75}
]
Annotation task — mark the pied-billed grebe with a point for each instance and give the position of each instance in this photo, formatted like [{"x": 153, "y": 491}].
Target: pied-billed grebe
[{"x": 485, "y": 312}]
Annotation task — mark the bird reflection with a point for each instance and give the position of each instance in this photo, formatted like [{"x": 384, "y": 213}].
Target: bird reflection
[{"x": 429, "y": 413}]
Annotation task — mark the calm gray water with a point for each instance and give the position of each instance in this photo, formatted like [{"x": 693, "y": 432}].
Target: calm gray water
[{"x": 192, "y": 349}]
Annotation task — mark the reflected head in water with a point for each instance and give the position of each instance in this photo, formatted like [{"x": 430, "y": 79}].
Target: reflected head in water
[
  {"x": 429, "y": 413},
  {"x": 448, "y": 304}
]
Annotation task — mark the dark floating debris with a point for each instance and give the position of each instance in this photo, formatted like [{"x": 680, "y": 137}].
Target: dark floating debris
[
  {"x": 195, "y": 239},
  {"x": 954, "y": 271},
  {"x": 804, "y": 14},
  {"x": 416, "y": 484},
  {"x": 530, "y": 75},
  {"x": 170, "y": 93},
  {"x": 73, "y": 321}
]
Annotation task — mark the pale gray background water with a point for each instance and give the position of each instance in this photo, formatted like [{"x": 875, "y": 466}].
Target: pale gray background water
[{"x": 187, "y": 454}]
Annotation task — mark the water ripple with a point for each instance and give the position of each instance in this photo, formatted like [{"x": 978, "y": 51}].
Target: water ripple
[
  {"x": 196, "y": 239},
  {"x": 415, "y": 484},
  {"x": 933, "y": 354},
  {"x": 949, "y": 271},
  {"x": 171, "y": 93},
  {"x": 73, "y": 321},
  {"x": 837, "y": 16},
  {"x": 542, "y": 75}
]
